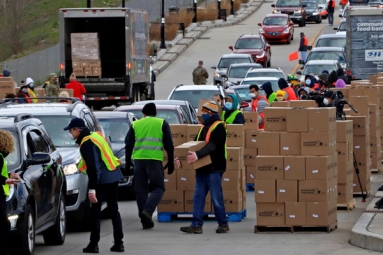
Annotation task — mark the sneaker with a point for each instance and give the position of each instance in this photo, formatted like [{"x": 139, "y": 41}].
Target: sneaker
[
  {"x": 192, "y": 230},
  {"x": 146, "y": 220},
  {"x": 91, "y": 248},
  {"x": 117, "y": 248},
  {"x": 221, "y": 229}
]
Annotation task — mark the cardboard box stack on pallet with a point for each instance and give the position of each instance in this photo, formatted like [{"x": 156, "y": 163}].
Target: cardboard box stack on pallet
[
  {"x": 85, "y": 54},
  {"x": 296, "y": 170},
  {"x": 251, "y": 147}
]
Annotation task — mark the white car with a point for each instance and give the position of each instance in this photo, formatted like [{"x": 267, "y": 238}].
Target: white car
[
  {"x": 260, "y": 80},
  {"x": 266, "y": 72},
  {"x": 316, "y": 67},
  {"x": 341, "y": 29}
]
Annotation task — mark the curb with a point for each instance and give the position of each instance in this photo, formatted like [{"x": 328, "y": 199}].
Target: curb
[{"x": 166, "y": 56}]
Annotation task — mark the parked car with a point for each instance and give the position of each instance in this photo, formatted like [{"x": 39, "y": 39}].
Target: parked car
[
  {"x": 256, "y": 46},
  {"x": 294, "y": 8},
  {"x": 375, "y": 3},
  {"x": 313, "y": 11},
  {"x": 224, "y": 63},
  {"x": 236, "y": 72},
  {"x": 37, "y": 204},
  {"x": 266, "y": 72},
  {"x": 277, "y": 28},
  {"x": 192, "y": 114},
  {"x": 331, "y": 40},
  {"x": 260, "y": 80},
  {"x": 327, "y": 53},
  {"x": 323, "y": 12},
  {"x": 116, "y": 125},
  {"x": 194, "y": 93},
  {"x": 173, "y": 114},
  {"x": 342, "y": 27},
  {"x": 56, "y": 116},
  {"x": 317, "y": 66}
]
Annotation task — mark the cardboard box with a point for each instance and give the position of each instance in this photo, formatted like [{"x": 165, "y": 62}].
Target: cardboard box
[
  {"x": 344, "y": 130},
  {"x": 88, "y": 71},
  {"x": 361, "y": 125},
  {"x": 181, "y": 152},
  {"x": 376, "y": 160},
  {"x": 366, "y": 185},
  {"x": 78, "y": 71},
  {"x": 361, "y": 104},
  {"x": 232, "y": 180},
  {"x": 234, "y": 158},
  {"x": 269, "y": 167},
  {"x": 320, "y": 144},
  {"x": 287, "y": 191},
  {"x": 345, "y": 193},
  {"x": 297, "y": 120},
  {"x": 363, "y": 161},
  {"x": 314, "y": 191},
  {"x": 233, "y": 201},
  {"x": 96, "y": 71},
  {"x": 250, "y": 174},
  {"x": 251, "y": 138},
  {"x": 362, "y": 145},
  {"x": 294, "y": 167},
  {"x": 343, "y": 153},
  {"x": 270, "y": 214},
  {"x": 251, "y": 120},
  {"x": 235, "y": 135},
  {"x": 320, "y": 214},
  {"x": 322, "y": 119},
  {"x": 6, "y": 79},
  {"x": 295, "y": 214},
  {"x": 96, "y": 63},
  {"x": 374, "y": 111},
  {"x": 302, "y": 103},
  {"x": 290, "y": 144},
  {"x": 319, "y": 167},
  {"x": 268, "y": 143},
  {"x": 276, "y": 118},
  {"x": 189, "y": 202},
  {"x": 192, "y": 131},
  {"x": 265, "y": 191},
  {"x": 185, "y": 180},
  {"x": 281, "y": 104},
  {"x": 170, "y": 181},
  {"x": 249, "y": 157},
  {"x": 172, "y": 201},
  {"x": 179, "y": 134}
]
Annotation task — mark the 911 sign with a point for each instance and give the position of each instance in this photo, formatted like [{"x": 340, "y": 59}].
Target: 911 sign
[{"x": 373, "y": 55}]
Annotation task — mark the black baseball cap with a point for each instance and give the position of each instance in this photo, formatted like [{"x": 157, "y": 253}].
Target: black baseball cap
[{"x": 75, "y": 123}]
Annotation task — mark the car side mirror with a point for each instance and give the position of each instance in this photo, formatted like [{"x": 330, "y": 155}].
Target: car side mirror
[
  {"x": 259, "y": 24},
  {"x": 320, "y": 7},
  {"x": 299, "y": 72},
  {"x": 231, "y": 48},
  {"x": 335, "y": 28},
  {"x": 244, "y": 105},
  {"x": 213, "y": 67},
  {"x": 273, "y": 5},
  {"x": 39, "y": 158}
]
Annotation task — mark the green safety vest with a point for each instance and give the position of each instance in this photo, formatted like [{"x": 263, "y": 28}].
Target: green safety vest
[
  {"x": 232, "y": 116},
  {"x": 149, "y": 139},
  {"x": 211, "y": 129},
  {"x": 4, "y": 172},
  {"x": 107, "y": 156}
]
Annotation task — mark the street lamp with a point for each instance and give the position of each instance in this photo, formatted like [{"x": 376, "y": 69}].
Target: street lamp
[
  {"x": 195, "y": 11},
  {"x": 163, "y": 46}
]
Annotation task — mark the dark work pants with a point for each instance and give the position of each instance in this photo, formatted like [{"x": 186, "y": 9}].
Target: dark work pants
[
  {"x": 148, "y": 172},
  {"x": 108, "y": 193},
  {"x": 330, "y": 17},
  {"x": 5, "y": 225}
]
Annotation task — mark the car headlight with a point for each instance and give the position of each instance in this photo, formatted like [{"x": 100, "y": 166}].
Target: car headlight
[
  {"x": 217, "y": 75},
  {"x": 71, "y": 169},
  {"x": 315, "y": 13},
  {"x": 286, "y": 31},
  {"x": 261, "y": 31},
  {"x": 276, "y": 11},
  {"x": 13, "y": 220},
  {"x": 261, "y": 56},
  {"x": 11, "y": 192}
]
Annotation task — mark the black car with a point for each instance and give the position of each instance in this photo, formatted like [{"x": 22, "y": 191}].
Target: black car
[
  {"x": 37, "y": 204},
  {"x": 116, "y": 125},
  {"x": 313, "y": 11}
]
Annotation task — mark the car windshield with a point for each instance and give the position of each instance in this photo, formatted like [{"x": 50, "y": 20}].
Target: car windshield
[
  {"x": 13, "y": 158},
  {"x": 248, "y": 43},
  {"x": 342, "y": 26},
  {"x": 310, "y": 5},
  {"x": 193, "y": 96},
  {"x": 274, "y": 84},
  {"x": 274, "y": 21},
  {"x": 318, "y": 69},
  {"x": 226, "y": 62},
  {"x": 265, "y": 74},
  {"x": 243, "y": 93},
  {"x": 238, "y": 71},
  {"x": 170, "y": 116},
  {"x": 332, "y": 42},
  {"x": 115, "y": 128},
  {"x": 288, "y": 3},
  {"x": 329, "y": 55},
  {"x": 54, "y": 126}
]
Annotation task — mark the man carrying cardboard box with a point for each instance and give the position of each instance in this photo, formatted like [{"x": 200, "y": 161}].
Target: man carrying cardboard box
[{"x": 209, "y": 178}]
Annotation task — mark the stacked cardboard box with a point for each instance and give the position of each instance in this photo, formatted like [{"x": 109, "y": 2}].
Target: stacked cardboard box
[
  {"x": 85, "y": 54},
  {"x": 7, "y": 86},
  {"x": 251, "y": 145},
  {"x": 296, "y": 170},
  {"x": 180, "y": 185}
]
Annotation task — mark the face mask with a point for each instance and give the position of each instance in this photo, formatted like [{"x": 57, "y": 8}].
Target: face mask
[
  {"x": 24, "y": 90},
  {"x": 308, "y": 82},
  {"x": 70, "y": 136},
  {"x": 228, "y": 105},
  {"x": 325, "y": 101},
  {"x": 205, "y": 117},
  {"x": 31, "y": 85},
  {"x": 253, "y": 95}
]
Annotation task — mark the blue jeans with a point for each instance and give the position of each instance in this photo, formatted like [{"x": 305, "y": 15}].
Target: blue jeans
[
  {"x": 205, "y": 183},
  {"x": 330, "y": 17},
  {"x": 303, "y": 55}
]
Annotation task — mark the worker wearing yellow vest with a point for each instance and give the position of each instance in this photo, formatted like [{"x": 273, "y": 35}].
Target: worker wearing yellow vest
[
  {"x": 231, "y": 114},
  {"x": 31, "y": 90},
  {"x": 103, "y": 170},
  {"x": 146, "y": 141},
  {"x": 6, "y": 146},
  {"x": 209, "y": 178}
]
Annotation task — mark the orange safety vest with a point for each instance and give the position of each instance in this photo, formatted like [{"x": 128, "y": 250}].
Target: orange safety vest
[
  {"x": 343, "y": 2},
  {"x": 305, "y": 41},
  {"x": 212, "y": 127},
  {"x": 254, "y": 106}
]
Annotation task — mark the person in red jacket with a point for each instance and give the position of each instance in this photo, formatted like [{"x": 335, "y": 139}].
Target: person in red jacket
[{"x": 78, "y": 88}]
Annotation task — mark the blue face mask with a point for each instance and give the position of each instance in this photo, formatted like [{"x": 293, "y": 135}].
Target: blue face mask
[
  {"x": 31, "y": 85},
  {"x": 229, "y": 105},
  {"x": 308, "y": 82},
  {"x": 205, "y": 117}
]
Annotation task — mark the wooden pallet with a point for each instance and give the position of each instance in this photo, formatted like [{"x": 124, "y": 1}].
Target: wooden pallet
[
  {"x": 293, "y": 229},
  {"x": 359, "y": 194},
  {"x": 347, "y": 206},
  {"x": 171, "y": 216}
]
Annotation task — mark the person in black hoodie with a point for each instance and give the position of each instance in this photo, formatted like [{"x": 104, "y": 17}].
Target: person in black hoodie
[
  {"x": 270, "y": 93},
  {"x": 209, "y": 178},
  {"x": 332, "y": 78},
  {"x": 341, "y": 75}
]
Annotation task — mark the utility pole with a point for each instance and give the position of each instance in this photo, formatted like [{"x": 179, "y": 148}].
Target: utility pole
[
  {"x": 88, "y": 5},
  {"x": 232, "y": 7},
  {"x": 163, "y": 46},
  {"x": 219, "y": 8},
  {"x": 123, "y": 3}
]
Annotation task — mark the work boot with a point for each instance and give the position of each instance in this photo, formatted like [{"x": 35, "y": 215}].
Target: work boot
[
  {"x": 91, "y": 248},
  {"x": 192, "y": 230},
  {"x": 117, "y": 248},
  {"x": 221, "y": 229},
  {"x": 380, "y": 188},
  {"x": 146, "y": 220},
  {"x": 379, "y": 204}
]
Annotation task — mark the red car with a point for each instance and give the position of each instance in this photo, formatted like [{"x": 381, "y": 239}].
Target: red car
[
  {"x": 277, "y": 28},
  {"x": 256, "y": 46}
]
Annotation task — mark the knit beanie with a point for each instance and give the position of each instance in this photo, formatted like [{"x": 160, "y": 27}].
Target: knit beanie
[
  {"x": 211, "y": 106},
  {"x": 149, "y": 109},
  {"x": 282, "y": 83},
  {"x": 340, "y": 83},
  {"x": 323, "y": 76}
]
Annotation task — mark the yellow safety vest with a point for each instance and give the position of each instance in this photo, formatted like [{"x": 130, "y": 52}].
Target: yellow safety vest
[
  {"x": 32, "y": 95},
  {"x": 4, "y": 172},
  {"x": 232, "y": 116}
]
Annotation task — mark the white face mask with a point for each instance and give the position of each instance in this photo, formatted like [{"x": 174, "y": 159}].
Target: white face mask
[
  {"x": 253, "y": 95},
  {"x": 325, "y": 101},
  {"x": 70, "y": 136}
]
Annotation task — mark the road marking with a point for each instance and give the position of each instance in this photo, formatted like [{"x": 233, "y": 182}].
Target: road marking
[{"x": 310, "y": 43}]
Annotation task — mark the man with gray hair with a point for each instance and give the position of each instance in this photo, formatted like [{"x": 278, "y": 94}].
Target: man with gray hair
[
  {"x": 258, "y": 104},
  {"x": 200, "y": 74}
]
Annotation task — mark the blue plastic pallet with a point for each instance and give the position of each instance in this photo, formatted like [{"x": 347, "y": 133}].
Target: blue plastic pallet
[
  {"x": 170, "y": 216},
  {"x": 249, "y": 187}
]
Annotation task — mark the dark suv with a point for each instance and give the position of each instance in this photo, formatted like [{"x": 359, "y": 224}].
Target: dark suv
[
  {"x": 294, "y": 8},
  {"x": 37, "y": 204}
]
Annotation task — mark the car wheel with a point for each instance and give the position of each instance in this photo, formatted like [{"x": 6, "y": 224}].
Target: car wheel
[
  {"x": 56, "y": 234},
  {"x": 25, "y": 243}
]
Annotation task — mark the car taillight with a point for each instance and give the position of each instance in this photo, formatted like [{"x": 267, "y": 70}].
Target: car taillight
[{"x": 348, "y": 72}]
